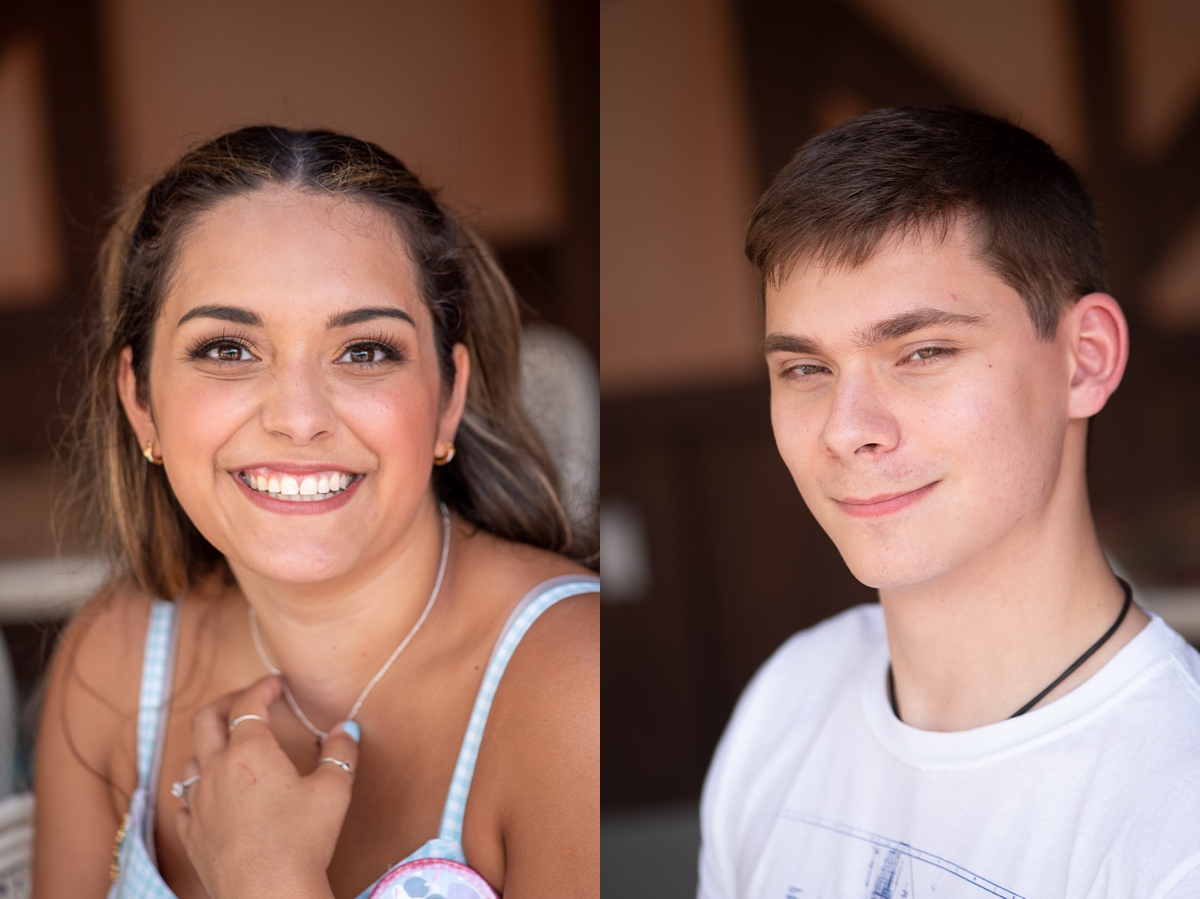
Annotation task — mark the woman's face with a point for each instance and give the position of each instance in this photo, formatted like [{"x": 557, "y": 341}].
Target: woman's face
[{"x": 294, "y": 391}]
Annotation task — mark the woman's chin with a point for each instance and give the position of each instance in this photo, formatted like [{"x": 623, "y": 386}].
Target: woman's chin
[{"x": 295, "y": 568}]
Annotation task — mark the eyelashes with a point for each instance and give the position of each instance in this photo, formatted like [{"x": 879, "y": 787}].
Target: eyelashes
[
  {"x": 232, "y": 347},
  {"x": 204, "y": 348},
  {"x": 376, "y": 343},
  {"x": 931, "y": 356}
]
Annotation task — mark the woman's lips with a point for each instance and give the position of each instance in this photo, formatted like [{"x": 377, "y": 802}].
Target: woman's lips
[
  {"x": 884, "y": 503},
  {"x": 301, "y": 502}
]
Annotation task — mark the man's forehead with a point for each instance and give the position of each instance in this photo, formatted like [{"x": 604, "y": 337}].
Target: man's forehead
[
  {"x": 904, "y": 272},
  {"x": 908, "y": 285},
  {"x": 841, "y": 253},
  {"x": 894, "y": 327}
]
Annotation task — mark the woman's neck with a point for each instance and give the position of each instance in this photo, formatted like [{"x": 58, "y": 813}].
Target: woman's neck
[{"x": 329, "y": 639}]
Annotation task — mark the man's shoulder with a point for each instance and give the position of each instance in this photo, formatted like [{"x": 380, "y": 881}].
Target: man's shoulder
[
  {"x": 1186, "y": 658},
  {"x": 807, "y": 674},
  {"x": 1163, "y": 668},
  {"x": 783, "y": 709},
  {"x": 837, "y": 643}
]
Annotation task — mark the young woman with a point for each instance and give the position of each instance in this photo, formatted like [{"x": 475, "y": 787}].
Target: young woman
[{"x": 333, "y": 531}]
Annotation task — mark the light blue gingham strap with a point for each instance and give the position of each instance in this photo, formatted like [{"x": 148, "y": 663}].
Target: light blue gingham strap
[
  {"x": 538, "y": 600},
  {"x": 155, "y": 682}
]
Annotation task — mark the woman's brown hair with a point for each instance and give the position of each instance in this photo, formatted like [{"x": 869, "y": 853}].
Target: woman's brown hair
[{"x": 501, "y": 478}]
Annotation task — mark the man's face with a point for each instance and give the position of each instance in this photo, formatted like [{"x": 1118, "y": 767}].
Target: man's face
[{"x": 921, "y": 418}]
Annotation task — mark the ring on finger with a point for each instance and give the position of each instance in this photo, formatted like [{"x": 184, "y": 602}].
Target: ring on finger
[
  {"x": 345, "y": 766},
  {"x": 179, "y": 789},
  {"x": 240, "y": 718}
]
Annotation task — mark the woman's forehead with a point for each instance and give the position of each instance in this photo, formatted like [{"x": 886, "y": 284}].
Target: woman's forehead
[{"x": 288, "y": 245}]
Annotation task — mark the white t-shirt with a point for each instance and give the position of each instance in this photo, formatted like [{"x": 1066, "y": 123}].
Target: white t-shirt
[{"x": 818, "y": 791}]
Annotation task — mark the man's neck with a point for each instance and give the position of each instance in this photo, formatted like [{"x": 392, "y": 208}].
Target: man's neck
[{"x": 972, "y": 648}]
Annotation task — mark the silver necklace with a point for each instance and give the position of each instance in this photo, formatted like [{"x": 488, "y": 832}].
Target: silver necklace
[{"x": 322, "y": 735}]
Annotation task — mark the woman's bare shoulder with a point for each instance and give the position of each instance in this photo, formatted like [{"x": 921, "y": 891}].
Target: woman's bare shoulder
[
  {"x": 540, "y": 766},
  {"x": 92, "y": 693},
  {"x": 509, "y": 562},
  {"x": 86, "y": 750},
  {"x": 102, "y": 645}
]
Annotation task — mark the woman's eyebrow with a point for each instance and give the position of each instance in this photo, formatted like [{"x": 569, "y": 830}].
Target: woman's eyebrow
[
  {"x": 365, "y": 314},
  {"x": 233, "y": 314}
]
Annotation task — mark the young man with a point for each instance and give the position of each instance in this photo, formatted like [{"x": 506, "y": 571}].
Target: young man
[{"x": 1006, "y": 722}]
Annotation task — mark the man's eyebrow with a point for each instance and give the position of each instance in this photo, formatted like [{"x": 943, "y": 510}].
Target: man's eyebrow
[
  {"x": 233, "y": 314},
  {"x": 907, "y": 322},
  {"x": 791, "y": 343},
  {"x": 880, "y": 332},
  {"x": 366, "y": 314}
]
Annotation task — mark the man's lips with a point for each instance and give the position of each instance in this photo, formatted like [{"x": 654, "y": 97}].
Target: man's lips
[{"x": 883, "y": 503}]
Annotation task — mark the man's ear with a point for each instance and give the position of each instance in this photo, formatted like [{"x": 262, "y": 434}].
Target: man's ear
[
  {"x": 1098, "y": 343},
  {"x": 136, "y": 411}
]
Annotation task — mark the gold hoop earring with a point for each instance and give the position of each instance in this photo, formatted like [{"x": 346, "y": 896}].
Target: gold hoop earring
[
  {"x": 148, "y": 452},
  {"x": 447, "y": 457}
]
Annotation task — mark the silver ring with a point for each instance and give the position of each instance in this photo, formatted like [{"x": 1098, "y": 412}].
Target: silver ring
[
  {"x": 240, "y": 718},
  {"x": 345, "y": 766},
  {"x": 179, "y": 789}
]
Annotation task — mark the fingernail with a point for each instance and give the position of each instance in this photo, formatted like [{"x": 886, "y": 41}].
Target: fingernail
[{"x": 351, "y": 730}]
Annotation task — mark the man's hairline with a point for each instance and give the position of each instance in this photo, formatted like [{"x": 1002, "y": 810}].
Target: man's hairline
[{"x": 941, "y": 228}]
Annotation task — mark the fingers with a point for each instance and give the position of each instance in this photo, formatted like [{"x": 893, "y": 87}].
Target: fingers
[
  {"x": 210, "y": 726},
  {"x": 339, "y": 754},
  {"x": 183, "y": 817},
  {"x": 183, "y": 827}
]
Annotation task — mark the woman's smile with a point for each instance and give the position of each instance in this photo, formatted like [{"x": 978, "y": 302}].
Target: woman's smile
[
  {"x": 298, "y": 493},
  {"x": 297, "y": 487}
]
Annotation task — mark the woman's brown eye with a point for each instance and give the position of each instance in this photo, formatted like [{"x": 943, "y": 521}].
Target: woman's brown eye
[
  {"x": 360, "y": 355},
  {"x": 229, "y": 354}
]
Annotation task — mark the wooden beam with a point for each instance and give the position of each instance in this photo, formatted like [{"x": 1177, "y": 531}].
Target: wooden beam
[
  {"x": 1114, "y": 179},
  {"x": 797, "y": 55},
  {"x": 1171, "y": 197}
]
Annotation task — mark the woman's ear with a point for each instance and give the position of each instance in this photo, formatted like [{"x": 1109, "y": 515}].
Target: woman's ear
[
  {"x": 452, "y": 412},
  {"x": 1098, "y": 345},
  {"x": 136, "y": 411}
]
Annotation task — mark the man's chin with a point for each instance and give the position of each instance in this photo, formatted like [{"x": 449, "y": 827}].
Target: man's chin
[{"x": 898, "y": 571}]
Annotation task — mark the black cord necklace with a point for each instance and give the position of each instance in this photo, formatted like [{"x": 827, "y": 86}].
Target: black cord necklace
[{"x": 891, "y": 681}]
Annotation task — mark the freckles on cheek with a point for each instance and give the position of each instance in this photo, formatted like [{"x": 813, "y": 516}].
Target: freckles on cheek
[{"x": 205, "y": 408}]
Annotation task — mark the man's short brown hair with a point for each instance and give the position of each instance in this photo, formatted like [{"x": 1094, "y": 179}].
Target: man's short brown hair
[{"x": 908, "y": 171}]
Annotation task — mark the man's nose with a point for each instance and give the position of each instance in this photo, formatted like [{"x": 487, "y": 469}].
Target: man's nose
[{"x": 860, "y": 417}]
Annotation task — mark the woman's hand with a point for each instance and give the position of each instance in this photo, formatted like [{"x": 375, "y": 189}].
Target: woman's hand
[{"x": 253, "y": 826}]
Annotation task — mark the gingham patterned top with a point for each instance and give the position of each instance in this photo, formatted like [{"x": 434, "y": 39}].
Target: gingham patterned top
[{"x": 138, "y": 876}]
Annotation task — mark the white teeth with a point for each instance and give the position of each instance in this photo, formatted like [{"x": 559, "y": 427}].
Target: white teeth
[{"x": 303, "y": 488}]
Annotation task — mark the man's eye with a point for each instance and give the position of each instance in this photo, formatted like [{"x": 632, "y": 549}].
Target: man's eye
[
  {"x": 928, "y": 353},
  {"x": 806, "y": 369}
]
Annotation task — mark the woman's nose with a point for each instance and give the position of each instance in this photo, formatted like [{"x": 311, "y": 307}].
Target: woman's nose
[{"x": 298, "y": 405}]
